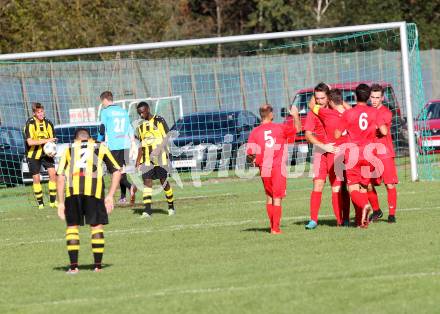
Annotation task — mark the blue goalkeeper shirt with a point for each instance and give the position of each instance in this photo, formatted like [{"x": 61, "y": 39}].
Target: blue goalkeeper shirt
[{"x": 115, "y": 123}]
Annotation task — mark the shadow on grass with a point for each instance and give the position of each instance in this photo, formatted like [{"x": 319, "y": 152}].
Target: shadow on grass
[
  {"x": 256, "y": 230},
  {"x": 139, "y": 211},
  {"x": 81, "y": 267}
]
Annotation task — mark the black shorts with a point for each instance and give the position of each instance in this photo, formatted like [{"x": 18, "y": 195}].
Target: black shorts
[
  {"x": 35, "y": 164},
  {"x": 120, "y": 156},
  {"x": 79, "y": 207},
  {"x": 155, "y": 173}
]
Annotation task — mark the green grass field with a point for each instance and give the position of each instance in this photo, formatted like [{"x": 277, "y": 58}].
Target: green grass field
[{"x": 216, "y": 256}]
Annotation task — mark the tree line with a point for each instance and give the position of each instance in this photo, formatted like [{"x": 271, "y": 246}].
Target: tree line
[{"x": 33, "y": 25}]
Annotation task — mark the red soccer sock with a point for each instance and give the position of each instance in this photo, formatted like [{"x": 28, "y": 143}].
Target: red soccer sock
[
  {"x": 315, "y": 204},
  {"x": 373, "y": 199},
  {"x": 360, "y": 200},
  {"x": 277, "y": 211},
  {"x": 269, "y": 209},
  {"x": 358, "y": 215},
  {"x": 337, "y": 204},
  {"x": 345, "y": 204},
  {"x": 392, "y": 200}
]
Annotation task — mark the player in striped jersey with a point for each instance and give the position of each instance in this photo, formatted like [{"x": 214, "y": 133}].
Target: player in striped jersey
[
  {"x": 152, "y": 157},
  {"x": 39, "y": 131},
  {"x": 82, "y": 165}
]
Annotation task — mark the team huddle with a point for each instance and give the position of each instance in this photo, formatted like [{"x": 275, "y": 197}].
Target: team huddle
[{"x": 352, "y": 147}]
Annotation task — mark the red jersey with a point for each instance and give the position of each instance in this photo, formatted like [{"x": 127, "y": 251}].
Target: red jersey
[
  {"x": 331, "y": 119},
  {"x": 270, "y": 139},
  {"x": 360, "y": 123},
  {"x": 314, "y": 125},
  {"x": 384, "y": 117}
]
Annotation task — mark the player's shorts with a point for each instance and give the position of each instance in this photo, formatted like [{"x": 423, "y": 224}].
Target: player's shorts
[
  {"x": 361, "y": 173},
  {"x": 80, "y": 208},
  {"x": 335, "y": 176},
  {"x": 120, "y": 156},
  {"x": 275, "y": 184},
  {"x": 389, "y": 174},
  {"x": 155, "y": 173},
  {"x": 320, "y": 166},
  {"x": 35, "y": 164}
]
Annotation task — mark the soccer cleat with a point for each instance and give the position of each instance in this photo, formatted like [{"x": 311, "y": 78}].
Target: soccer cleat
[
  {"x": 133, "y": 190},
  {"x": 41, "y": 206},
  {"x": 97, "y": 270},
  {"x": 311, "y": 225},
  {"x": 145, "y": 215},
  {"x": 346, "y": 223},
  {"x": 171, "y": 212},
  {"x": 376, "y": 215},
  {"x": 391, "y": 219},
  {"x": 53, "y": 205},
  {"x": 122, "y": 201},
  {"x": 72, "y": 271}
]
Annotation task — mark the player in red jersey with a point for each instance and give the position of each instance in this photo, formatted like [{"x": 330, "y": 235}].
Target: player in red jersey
[
  {"x": 331, "y": 117},
  {"x": 266, "y": 148},
  {"x": 389, "y": 174},
  {"x": 361, "y": 125},
  {"x": 315, "y": 134}
]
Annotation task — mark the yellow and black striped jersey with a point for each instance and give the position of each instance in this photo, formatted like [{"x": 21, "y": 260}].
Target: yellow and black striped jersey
[
  {"x": 82, "y": 164},
  {"x": 37, "y": 130},
  {"x": 151, "y": 134}
]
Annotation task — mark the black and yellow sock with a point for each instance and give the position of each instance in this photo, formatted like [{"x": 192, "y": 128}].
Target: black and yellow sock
[
  {"x": 98, "y": 246},
  {"x": 170, "y": 198},
  {"x": 72, "y": 242},
  {"x": 52, "y": 193},
  {"x": 38, "y": 192},
  {"x": 147, "y": 199}
]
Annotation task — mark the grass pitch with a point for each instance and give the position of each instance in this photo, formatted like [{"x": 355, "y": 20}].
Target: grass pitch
[{"x": 216, "y": 256}]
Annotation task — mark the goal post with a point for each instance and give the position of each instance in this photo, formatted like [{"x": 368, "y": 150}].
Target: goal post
[{"x": 255, "y": 73}]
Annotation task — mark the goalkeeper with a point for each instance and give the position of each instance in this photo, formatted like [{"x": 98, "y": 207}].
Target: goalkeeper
[{"x": 115, "y": 125}]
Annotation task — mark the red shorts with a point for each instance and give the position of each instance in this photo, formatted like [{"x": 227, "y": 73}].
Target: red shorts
[
  {"x": 320, "y": 166},
  {"x": 275, "y": 184},
  {"x": 361, "y": 173},
  {"x": 324, "y": 165},
  {"x": 389, "y": 174},
  {"x": 335, "y": 176}
]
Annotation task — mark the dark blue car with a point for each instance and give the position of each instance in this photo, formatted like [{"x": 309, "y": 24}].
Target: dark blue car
[
  {"x": 12, "y": 150},
  {"x": 208, "y": 140}
]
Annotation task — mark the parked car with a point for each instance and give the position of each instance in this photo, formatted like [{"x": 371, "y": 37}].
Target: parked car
[
  {"x": 12, "y": 152},
  {"x": 202, "y": 136},
  {"x": 302, "y": 99},
  {"x": 427, "y": 128}
]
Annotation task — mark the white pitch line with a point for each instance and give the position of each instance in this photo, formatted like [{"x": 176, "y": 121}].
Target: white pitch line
[
  {"x": 214, "y": 290},
  {"x": 228, "y": 223}
]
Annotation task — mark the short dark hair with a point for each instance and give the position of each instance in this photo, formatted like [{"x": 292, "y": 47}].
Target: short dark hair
[
  {"x": 377, "y": 88},
  {"x": 36, "y": 106},
  {"x": 265, "y": 110},
  {"x": 322, "y": 87},
  {"x": 336, "y": 96},
  {"x": 79, "y": 132},
  {"x": 363, "y": 92},
  {"x": 106, "y": 95},
  {"x": 142, "y": 104}
]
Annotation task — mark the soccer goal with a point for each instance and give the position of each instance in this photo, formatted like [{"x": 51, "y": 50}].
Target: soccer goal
[
  {"x": 169, "y": 107},
  {"x": 212, "y": 95}
]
